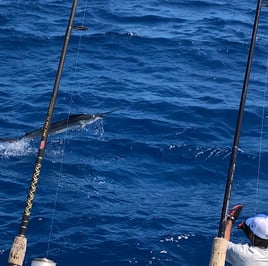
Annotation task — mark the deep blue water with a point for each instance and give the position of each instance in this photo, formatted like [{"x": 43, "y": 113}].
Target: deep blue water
[{"x": 145, "y": 185}]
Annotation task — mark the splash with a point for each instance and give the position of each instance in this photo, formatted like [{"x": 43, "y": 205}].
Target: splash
[
  {"x": 18, "y": 148},
  {"x": 177, "y": 238}
]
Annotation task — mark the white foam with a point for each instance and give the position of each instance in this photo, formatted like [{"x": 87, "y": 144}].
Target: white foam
[{"x": 18, "y": 148}]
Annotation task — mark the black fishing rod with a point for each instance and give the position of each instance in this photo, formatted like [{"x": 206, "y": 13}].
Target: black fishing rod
[
  {"x": 231, "y": 170},
  {"x": 239, "y": 123},
  {"x": 18, "y": 248},
  {"x": 219, "y": 247}
]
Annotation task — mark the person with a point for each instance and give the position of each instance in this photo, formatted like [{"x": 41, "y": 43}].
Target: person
[{"x": 256, "y": 230}]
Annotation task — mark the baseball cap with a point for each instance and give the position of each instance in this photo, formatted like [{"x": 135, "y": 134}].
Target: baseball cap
[{"x": 258, "y": 225}]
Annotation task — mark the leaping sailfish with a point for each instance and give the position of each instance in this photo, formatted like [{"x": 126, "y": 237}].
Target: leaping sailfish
[{"x": 73, "y": 121}]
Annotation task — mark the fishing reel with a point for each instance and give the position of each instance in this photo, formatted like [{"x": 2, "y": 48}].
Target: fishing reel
[{"x": 43, "y": 262}]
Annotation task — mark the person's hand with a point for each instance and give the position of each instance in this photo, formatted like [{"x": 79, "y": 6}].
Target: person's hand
[{"x": 235, "y": 212}]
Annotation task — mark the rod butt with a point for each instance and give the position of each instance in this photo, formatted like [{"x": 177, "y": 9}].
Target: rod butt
[
  {"x": 218, "y": 252},
  {"x": 17, "y": 252}
]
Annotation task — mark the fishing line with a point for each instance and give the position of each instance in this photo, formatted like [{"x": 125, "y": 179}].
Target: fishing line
[
  {"x": 261, "y": 139},
  {"x": 77, "y": 56},
  {"x": 59, "y": 176}
]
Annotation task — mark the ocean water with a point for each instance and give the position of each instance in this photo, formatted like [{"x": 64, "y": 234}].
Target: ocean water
[{"x": 144, "y": 185}]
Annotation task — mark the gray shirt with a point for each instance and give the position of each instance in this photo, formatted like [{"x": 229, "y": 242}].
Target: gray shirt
[{"x": 245, "y": 255}]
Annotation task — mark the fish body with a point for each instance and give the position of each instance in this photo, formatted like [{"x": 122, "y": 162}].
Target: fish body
[{"x": 73, "y": 121}]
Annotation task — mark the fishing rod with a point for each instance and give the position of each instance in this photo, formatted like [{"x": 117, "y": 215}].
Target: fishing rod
[
  {"x": 239, "y": 123},
  {"x": 18, "y": 249},
  {"x": 227, "y": 195}
]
